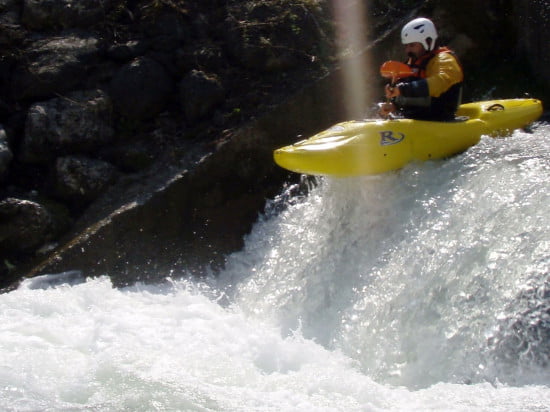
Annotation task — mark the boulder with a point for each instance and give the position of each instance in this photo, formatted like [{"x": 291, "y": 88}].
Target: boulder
[
  {"x": 80, "y": 180},
  {"x": 130, "y": 158},
  {"x": 140, "y": 89},
  {"x": 51, "y": 14},
  {"x": 168, "y": 30},
  {"x": 199, "y": 95},
  {"x": 11, "y": 32},
  {"x": 272, "y": 37},
  {"x": 78, "y": 123},
  {"x": 54, "y": 65},
  {"x": 129, "y": 50},
  {"x": 532, "y": 18},
  {"x": 5, "y": 153},
  {"x": 24, "y": 225}
]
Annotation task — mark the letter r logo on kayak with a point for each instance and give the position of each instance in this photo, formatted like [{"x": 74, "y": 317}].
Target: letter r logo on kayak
[{"x": 388, "y": 137}]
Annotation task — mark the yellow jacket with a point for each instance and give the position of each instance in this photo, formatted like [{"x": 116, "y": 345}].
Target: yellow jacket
[{"x": 442, "y": 72}]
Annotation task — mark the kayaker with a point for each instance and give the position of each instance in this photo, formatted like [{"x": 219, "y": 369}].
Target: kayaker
[{"x": 435, "y": 91}]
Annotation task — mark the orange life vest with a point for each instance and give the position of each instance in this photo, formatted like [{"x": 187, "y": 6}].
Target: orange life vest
[
  {"x": 442, "y": 107},
  {"x": 419, "y": 65}
]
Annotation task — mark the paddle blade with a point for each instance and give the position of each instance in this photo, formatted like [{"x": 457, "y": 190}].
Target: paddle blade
[{"x": 395, "y": 70}]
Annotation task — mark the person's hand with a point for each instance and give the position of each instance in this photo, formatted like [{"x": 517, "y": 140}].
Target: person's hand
[
  {"x": 392, "y": 91},
  {"x": 385, "y": 109}
]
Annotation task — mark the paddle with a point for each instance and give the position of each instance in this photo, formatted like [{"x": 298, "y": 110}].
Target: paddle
[
  {"x": 392, "y": 70},
  {"x": 395, "y": 70}
]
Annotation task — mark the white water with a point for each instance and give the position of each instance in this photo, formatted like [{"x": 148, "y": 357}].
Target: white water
[{"x": 424, "y": 289}]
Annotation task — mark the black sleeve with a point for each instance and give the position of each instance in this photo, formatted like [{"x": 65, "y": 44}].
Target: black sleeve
[
  {"x": 401, "y": 101},
  {"x": 417, "y": 88}
]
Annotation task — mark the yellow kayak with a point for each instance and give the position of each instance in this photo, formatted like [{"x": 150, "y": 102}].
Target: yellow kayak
[{"x": 370, "y": 147}]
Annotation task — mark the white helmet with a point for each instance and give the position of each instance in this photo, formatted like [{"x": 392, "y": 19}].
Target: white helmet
[{"x": 420, "y": 30}]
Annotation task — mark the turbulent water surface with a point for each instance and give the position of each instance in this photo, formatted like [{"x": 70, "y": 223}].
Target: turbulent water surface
[{"x": 422, "y": 289}]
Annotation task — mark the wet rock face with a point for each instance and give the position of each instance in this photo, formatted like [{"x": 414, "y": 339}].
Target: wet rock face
[{"x": 102, "y": 100}]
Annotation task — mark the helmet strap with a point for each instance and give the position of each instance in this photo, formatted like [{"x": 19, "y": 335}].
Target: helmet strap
[{"x": 429, "y": 43}]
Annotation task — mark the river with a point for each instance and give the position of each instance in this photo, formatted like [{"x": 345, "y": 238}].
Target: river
[{"x": 423, "y": 289}]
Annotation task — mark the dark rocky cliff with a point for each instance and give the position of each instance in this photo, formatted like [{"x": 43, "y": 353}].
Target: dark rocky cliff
[{"x": 136, "y": 137}]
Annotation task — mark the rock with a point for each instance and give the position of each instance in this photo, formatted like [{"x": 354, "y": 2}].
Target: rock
[
  {"x": 49, "y": 14},
  {"x": 78, "y": 123},
  {"x": 24, "y": 225},
  {"x": 81, "y": 180},
  {"x": 10, "y": 11},
  {"x": 5, "y": 153},
  {"x": 126, "y": 51},
  {"x": 533, "y": 26},
  {"x": 272, "y": 37},
  {"x": 11, "y": 31},
  {"x": 199, "y": 95},
  {"x": 54, "y": 65},
  {"x": 11, "y": 34},
  {"x": 129, "y": 158},
  {"x": 140, "y": 89},
  {"x": 168, "y": 30}
]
